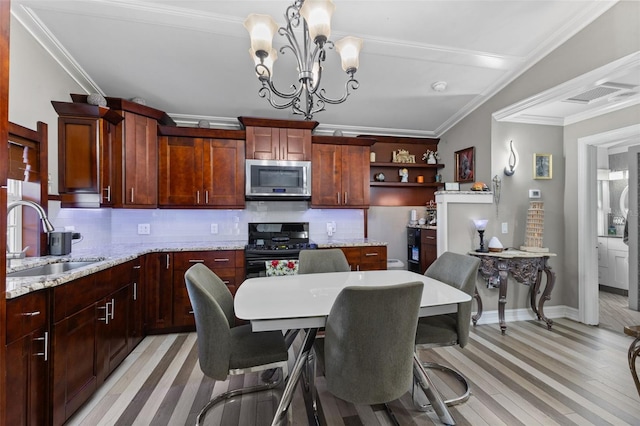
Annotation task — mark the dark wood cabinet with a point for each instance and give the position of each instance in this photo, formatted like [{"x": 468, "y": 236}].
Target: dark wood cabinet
[
  {"x": 428, "y": 248},
  {"x": 136, "y": 311},
  {"x": 85, "y": 154},
  {"x": 158, "y": 288},
  {"x": 366, "y": 258},
  {"x": 340, "y": 176},
  {"x": 90, "y": 335},
  {"x": 201, "y": 171},
  {"x": 168, "y": 305},
  {"x": 137, "y": 144},
  {"x": 27, "y": 346},
  {"x": 278, "y": 139}
]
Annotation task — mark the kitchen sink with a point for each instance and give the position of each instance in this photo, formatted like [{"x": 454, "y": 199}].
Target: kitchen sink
[{"x": 49, "y": 269}]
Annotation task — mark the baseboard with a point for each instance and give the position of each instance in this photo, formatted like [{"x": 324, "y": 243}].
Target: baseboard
[
  {"x": 614, "y": 290},
  {"x": 526, "y": 314}
]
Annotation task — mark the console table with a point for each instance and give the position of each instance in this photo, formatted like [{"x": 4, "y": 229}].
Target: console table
[{"x": 526, "y": 268}]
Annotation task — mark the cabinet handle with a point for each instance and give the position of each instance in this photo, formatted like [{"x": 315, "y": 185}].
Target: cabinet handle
[
  {"x": 196, "y": 260},
  {"x": 132, "y": 195},
  {"x": 191, "y": 312},
  {"x": 167, "y": 261},
  {"x": 108, "y": 190},
  {"x": 45, "y": 340},
  {"x": 430, "y": 238},
  {"x": 31, "y": 314},
  {"x": 106, "y": 313},
  {"x": 338, "y": 194},
  {"x": 206, "y": 197},
  {"x": 135, "y": 291},
  {"x": 137, "y": 267},
  {"x": 371, "y": 254},
  {"x": 345, "y": 197},
  {"x": 113, "y": 307},
  {"x": 282, "y": 155},
  {"x": 197, "y": 197},
  {"x": 221, "y": 260},
  {"x": 226, "y": 282}
]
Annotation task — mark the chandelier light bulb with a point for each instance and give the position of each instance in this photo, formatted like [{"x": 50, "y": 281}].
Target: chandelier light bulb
[
  {"x": 317, "y": 14},
  {"x": 349, "y": 50},
  {"x": 261, "y": 28}
]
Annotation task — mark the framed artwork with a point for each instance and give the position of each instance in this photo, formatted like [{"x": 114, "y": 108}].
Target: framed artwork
[
  {"x": 542, "y": 166},
  {"x": 465, "y": 165}
]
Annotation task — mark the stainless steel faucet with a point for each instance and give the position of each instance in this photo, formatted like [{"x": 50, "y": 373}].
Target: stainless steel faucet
[{"x": 46, "y": 224}]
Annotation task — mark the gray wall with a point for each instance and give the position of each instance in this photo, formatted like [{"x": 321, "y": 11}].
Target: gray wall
[{"x": 612, "y": 36}]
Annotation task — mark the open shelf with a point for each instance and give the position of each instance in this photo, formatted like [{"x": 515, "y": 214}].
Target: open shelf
[
  {"x": 408, "y": 165},
  {"x": 407, "y": 184}
]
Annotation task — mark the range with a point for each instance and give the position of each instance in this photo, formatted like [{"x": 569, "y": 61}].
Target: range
[{"x": 274, "y": 241}]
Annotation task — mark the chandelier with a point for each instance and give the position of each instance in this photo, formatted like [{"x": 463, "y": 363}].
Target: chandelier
[{"x": 305, "y": 97}]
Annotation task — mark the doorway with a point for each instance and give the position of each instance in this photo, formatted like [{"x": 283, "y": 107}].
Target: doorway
[{"x": 587, "y": 219}]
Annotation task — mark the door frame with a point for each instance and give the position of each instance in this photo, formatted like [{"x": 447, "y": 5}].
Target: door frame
[{"x": 588, "y": 303}]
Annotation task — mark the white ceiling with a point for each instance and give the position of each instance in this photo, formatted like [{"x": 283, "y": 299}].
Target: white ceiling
[{"x": 190, "y": 58}]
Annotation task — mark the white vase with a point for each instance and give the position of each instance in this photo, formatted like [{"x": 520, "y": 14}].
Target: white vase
[{"x": 431, "y": 159}]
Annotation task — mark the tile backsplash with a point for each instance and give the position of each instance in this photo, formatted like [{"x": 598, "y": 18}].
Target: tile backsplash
[{"x": 114, "y": 226}]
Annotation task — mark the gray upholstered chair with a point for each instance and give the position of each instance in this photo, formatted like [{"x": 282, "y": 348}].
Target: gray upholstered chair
[
  {"x": 369, "y": 342},
  {"x": 324, "y": 260},
  {"x": 316, "y": 262},
  {"x": 225, "y": 349},
  {"x": 459, "y": 271}
]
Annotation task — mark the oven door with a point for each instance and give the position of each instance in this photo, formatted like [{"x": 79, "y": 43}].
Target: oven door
[
  {"x": 255, "y": 268},
  {"x": 255, "y": 260}
]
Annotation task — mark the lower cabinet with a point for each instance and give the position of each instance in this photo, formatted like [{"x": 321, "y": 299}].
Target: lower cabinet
[
  {"x": 28, "y": 349},
  {"x": 167, "y": 299},
  {"x": 367, "y": 258},
  {"x": 428, "y": 248},
  {"x": 90, "y": 335}
]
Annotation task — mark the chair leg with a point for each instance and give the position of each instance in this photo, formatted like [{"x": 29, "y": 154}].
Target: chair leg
[
  {"x": 450, "y": 402},
  {"x": 236, "y": 392}
]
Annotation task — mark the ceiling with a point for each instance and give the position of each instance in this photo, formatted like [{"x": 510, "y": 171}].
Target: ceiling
[{"x": 190, "y": 58}]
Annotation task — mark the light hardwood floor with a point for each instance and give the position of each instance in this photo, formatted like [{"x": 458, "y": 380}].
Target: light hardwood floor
[
  {"x": 572, "y": 375},
  {"x": 615, "y": 313}
]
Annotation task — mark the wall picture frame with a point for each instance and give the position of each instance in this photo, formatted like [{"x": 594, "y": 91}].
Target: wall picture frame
[
  {"x": 542, "y": 166},
  {"x": 465, "y": 160}
]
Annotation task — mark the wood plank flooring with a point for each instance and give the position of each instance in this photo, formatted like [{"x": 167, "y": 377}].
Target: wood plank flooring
[
  {"x": 572, "y": 375},
  {"x": 615, "y": 312}
]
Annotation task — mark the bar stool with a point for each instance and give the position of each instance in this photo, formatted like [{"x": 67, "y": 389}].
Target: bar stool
[{"x": 634, "y": 350}]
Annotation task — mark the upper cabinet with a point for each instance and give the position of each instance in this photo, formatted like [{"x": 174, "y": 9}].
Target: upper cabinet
[
  {"x": 108, "y": 156},
  {"x": 421, "y": 181},
  {"x": 85, "y": 154},
  {"x": 201, "y": 167},
  {"x": 340, "y": 172},
  {"x": 278, "y": 139}
]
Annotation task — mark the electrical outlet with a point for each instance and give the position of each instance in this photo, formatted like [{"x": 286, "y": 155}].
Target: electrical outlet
[
  {"x": 505, "y": 228},
  {"x": 329, "y": 229},
  {"x": 214, "y": 228},
  {"x": 144, "y": 229}
]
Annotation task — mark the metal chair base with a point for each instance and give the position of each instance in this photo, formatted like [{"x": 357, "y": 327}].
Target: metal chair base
[
  {"x": 236, "y": 392},
  {"x": 449, "y": 402}
]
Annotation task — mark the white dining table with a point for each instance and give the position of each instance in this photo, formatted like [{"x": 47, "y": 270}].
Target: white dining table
[{"x": 303, "y": 302}]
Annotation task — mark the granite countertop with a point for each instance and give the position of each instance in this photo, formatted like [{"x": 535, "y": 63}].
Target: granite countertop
[
  {"x": 422, "y": 226},
  {"x": 109, "y": 256}
]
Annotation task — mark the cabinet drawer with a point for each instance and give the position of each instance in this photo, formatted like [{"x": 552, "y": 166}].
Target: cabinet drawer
[
  {"x": 26, "y": 314},
  {"x": 213, "y": 259},
  {"x": 373, "y": 258},
  {"x": 429, "y": 237},
  {"x": 71, "y": 297}
]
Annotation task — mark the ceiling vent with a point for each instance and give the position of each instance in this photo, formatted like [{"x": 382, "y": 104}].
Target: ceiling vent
[{"x": 600, "y": 91}]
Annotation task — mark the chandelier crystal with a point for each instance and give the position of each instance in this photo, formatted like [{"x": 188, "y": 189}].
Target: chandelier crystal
[{"x": 314, "y": 18}]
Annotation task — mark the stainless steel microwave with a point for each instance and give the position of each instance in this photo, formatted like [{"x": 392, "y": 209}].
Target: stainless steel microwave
[{"x": 277, "y": 179}]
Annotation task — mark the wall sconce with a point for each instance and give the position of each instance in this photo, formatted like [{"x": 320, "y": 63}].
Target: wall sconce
[
  {"x": 513, "y": 160},
  {"x": 481, "y": 225}
]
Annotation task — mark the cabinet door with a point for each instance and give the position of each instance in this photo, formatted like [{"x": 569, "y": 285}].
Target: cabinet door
[
  {"x": 115, "y": 338},
  {"x": 106, "y": 163},
  {"x": 158, "y": 268},
  {"x": 355, "y": 176},
  {"x": 77, "y": 155},
  {"x": 141, "y": 161},
  {"x": 263, "y": 143},
  {"x": 295, "y": 144},
  {"x": 27, "y": 380},
  {"x": 180, "y": 171},
  {"x": 74, "y": 362},
  {"x": 326, "y": 172},
  {"x": 136, "y": 313},
  {"x": 428, "y": 248},
  {"x": 223, "y": 173}
]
